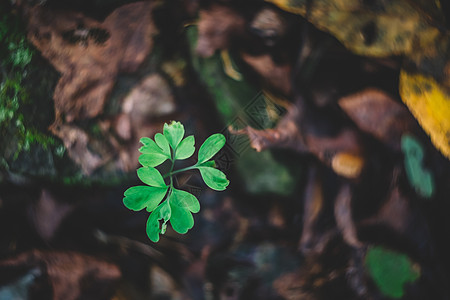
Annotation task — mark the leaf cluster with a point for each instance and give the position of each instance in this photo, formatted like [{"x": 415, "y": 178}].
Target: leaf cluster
[{"x": 159, "y": 196}]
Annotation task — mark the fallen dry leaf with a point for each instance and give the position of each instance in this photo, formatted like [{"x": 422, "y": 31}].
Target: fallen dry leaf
[
  {"x": 313, "y": 204},
  {"x": 343, "y": 216},
  {"x": 413, "y": 29},
  {"x": 429, "y": 103},
  {"x": 274, "y": 76},
  {"x": 377, "y": 113},
  {"x": 89, "y": 54},
  {"x": 218, "y": 25},
  {"x": 71, "y": 275},
  {"x": 367, "y": 27},
  {"x": 343, "y": 151}
]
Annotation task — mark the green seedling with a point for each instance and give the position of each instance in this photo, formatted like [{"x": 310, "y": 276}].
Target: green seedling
[
  {"x": 390, "y": 270},
  {"x": 159, "y": 196}
]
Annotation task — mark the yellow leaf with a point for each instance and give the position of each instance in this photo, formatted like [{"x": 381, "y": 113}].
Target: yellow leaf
[
  {"x": 347, "y": 164},
  {"x": 430, "y": 104},
  {"x": 411, "y": 28},
  {"x": 228, "y": 67},
  {"x": 391, "y": 28},
  {"x": 287, "y": 6}
]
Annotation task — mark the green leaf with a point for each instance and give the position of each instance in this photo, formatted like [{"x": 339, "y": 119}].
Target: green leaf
[
  {"x": 214, "y": 178},
  {"x": 210, "y": 163},
  {"x": 152, "y": 155},
  {"x": 174, "y": 133},
  {"x": 162, "y": 143},
  {"x": 151, "y": 176},
  {"x": 186, "y": 148},
  {"x": 185, "y": 200},
  {"x": 418, "y": 176},
  {"x": 150, "y": 147},
  {"x": 139, "y": 197},
  {"x": 210, "y": 147},
  {"x": 179, "y": 205},
  {"x": 154, "y": 228},
  {"x": 182, "y": 219},
  {"x": 182, "y": 204},
  {"x": 390, "y": 270},
  {"x": 152, "y": 160}
]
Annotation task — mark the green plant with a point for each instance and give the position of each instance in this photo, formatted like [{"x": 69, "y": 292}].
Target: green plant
[{"x": 162, "y": 199}]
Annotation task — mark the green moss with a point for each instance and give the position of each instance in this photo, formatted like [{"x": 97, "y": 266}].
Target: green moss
[
  {"x": 20, "y": 54},
  {"x": 13, "y": 121},
  {"x": 16, "y": 55}
]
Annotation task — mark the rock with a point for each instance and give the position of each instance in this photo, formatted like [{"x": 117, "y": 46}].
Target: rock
[{"x": 151, "y": 97}]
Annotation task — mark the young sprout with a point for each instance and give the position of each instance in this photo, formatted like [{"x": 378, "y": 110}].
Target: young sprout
[{"x": 159, "y": 196}]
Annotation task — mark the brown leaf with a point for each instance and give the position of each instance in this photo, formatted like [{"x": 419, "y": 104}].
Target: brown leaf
[
  {"x": 311, "y": 241},
  {"x": 412, "y": 28},
  {"x": 286, "y": 134},
  {"x": 343, "y": 216},
  {"x": 377, "y": 113},
  {"x": 344, "y": 151},
  {"x": 335, "y": 150},
  {"x": 274, "y": 76},
  {"x": 217, "y": 26},
  {"x": 90, "y": 54}
]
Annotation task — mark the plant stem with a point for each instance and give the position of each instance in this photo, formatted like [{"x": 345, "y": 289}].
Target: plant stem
[
  {"x": 171, "y": 169},
  {"x": 179, "y": 171}
]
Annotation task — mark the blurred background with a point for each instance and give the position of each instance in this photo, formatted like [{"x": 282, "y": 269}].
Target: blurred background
[{"x": 337, "y": 119}]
